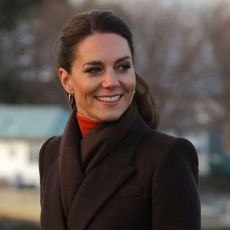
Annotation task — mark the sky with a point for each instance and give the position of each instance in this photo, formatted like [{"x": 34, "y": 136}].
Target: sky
[
  {"x": 166, "y": 2},
  {"x": 191, "y": 6}
]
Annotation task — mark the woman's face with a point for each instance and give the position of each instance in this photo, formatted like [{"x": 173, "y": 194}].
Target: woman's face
[{"x": 102, "y": 77}]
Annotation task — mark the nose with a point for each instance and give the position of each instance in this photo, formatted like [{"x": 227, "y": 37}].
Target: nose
[{"x": 110, "y": 80}]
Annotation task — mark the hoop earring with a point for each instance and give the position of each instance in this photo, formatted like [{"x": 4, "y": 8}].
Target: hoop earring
[{"x": 70, "y": 99}]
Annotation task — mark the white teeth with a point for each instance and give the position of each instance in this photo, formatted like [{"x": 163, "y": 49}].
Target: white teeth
[{"x": 109, "y": 99}]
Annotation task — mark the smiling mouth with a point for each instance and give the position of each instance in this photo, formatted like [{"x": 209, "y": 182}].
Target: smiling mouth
[{"x": 109, "y": 98}]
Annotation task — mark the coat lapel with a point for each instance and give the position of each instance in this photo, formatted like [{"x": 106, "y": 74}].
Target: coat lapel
[
  {"x": 105, "y": 138},
  {"x": 70, "y": 170},
  {"x": 96, "y": 189},
  {"x": 105, "y": 178}
]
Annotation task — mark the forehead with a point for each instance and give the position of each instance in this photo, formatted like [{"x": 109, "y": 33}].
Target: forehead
[{"x": 102, "y": 46}]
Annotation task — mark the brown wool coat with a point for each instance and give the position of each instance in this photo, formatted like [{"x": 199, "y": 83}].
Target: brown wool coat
[{"x": 147, "y": 181}]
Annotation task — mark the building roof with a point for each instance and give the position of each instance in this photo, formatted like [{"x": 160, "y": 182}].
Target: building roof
[{"x": 32, "y": 122}]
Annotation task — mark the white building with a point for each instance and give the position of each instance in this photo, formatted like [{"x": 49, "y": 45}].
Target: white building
[{"x": 22, "y": 131}]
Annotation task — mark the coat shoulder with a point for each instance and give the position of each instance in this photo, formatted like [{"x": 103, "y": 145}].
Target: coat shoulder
[
  {"x": 163, "y": 140},
  {"x": 157, "y": 139},
  {"x": 48, "y": 153},
  {"x": 174, "y": 182},
  {"x": 157, "y": 145}
]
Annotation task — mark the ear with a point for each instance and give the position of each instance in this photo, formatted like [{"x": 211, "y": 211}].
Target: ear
[{"x": 66, "y": 80}]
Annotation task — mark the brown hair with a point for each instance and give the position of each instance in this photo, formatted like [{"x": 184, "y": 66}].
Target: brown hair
[{"x": 85, "y": 24}]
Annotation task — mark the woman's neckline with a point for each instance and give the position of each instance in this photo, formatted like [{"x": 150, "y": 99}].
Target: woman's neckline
[{"x": 86, "y": 124}]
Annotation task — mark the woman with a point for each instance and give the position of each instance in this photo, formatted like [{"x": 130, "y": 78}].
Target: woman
[{"x": 111, "y": 170}]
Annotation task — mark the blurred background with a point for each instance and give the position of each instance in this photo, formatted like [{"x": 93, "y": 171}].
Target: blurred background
[{"x": 183, "y": 52}]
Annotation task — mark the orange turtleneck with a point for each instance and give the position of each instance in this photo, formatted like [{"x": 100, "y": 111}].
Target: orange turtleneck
[{"x": 85, "y": 124}]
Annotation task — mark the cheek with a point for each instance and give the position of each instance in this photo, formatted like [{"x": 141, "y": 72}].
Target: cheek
[
  {"x": 131, "y": 84},
  {"x": 81, "y": 87},
  {"x": 84, "y": 90}
]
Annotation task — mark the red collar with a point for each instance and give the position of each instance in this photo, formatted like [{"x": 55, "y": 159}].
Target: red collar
[{"x": 85, "y": 124}]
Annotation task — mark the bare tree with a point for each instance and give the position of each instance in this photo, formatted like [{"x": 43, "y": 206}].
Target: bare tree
[
  {"x": 217, "y": 26},
  {"x": 169, "y": 57},
  {"x": 183, "y": 58}
]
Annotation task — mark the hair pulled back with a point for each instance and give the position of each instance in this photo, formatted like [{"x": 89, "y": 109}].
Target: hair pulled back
[{"x": 85, "y": 24}]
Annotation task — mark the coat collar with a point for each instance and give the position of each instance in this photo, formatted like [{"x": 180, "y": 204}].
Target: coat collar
[
  {"x": 107, "y": 137},
  {"x": 108, "y": 166},
  {"x": 103, "y": 181},
  {"x": 70, "y": 170}
]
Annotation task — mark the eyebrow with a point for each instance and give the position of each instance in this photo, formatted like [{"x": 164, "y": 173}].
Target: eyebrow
[{"x": 99, "y": 62}]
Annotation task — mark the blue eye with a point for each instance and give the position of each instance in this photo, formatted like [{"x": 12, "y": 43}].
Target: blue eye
[
  {"x": 93, "y": 70},
  {"x": 124, "y": 67}
]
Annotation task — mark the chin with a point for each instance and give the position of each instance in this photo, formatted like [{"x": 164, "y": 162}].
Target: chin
[{"x": 110, "y": 117}]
